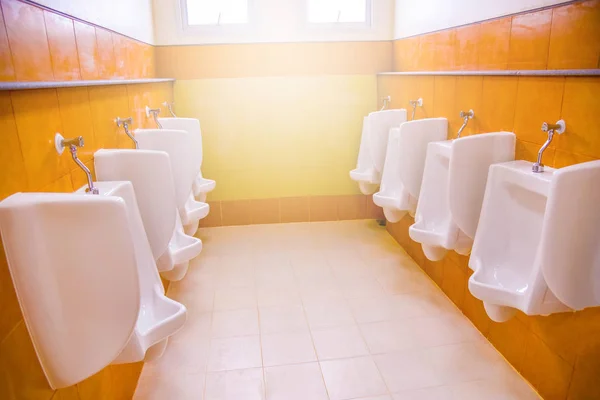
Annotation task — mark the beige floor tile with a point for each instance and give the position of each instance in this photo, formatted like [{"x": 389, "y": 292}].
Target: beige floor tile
[
  {"x": 189, "y": 356},
  {"x": 165, "y": 384},
  {"x": 384, "y": 397},
  {"x": 282, "y": 319},
  {"x": 434, "y": 393},
  {"x": 243, "y": 384},
  {"x": 407, "y": 370},
  {"x": 389, "y": 336},
  {"x": 195, "y": 328},
  {"x": 287, "y": 348},
  {"x": 371, "y": 309},
  {"x": 270, "y": 297},
  {"x": 463, "y": 362},
  {"x": 235, "y": 323},
  {"x": 234, "y": 353},
  {"x": 352, "y": 378},
  {"x": 235, "y": 298},
  {"x": 295, "y": 382},
  {"x": 328, "y": 315},
  {"x": 339, "y": 342}
]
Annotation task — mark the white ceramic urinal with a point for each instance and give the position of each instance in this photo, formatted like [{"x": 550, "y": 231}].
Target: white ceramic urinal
[
  {"x": 452, "y": 191},
  {"x": 373, "y": 147},
  {"x": 184, "y": 166},
  {"x": 85, "y": 280},
  {"x": 537, "y": 247},
  {"x": 404, "y": 165},
  {"x": 201, "y": 185},
  {"x": 150, "y": 173}
]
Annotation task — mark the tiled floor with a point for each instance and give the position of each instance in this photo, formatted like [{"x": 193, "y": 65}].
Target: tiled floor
[{"x": 317, "y": 311}]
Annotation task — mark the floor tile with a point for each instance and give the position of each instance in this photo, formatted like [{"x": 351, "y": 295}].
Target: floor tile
[
  {"x": 328, "y": 315},
  {"x": 235, "y": 298},
  {"x": 295, "y": 382},
  {"x": 352, "y": 378},
  {"x": 165, "y": 384},
  {"x": 235, "y": 323},
  {"x": 243, "y": 384},
  {"x": 287, "y": 348},
  {"x": 389, "y": 336},
  {"x": 407, "y": 370},
  {"x": 270, "y": 297},
  {"x": 339, "y": 342},
  {"x": 282, "y": 319},
  {"x": 234, "y": 353},
  {"x": 371, "y": 309}
]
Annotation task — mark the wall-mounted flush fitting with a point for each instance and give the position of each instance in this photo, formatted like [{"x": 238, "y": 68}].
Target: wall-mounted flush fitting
[
  {"x": 170, "y": 108},
  {"x": 559, "y": 128},
  {"x": 60, "y": 143},
  {"x": 466, "y": 116},
  {"x": 414, "y": 104},
  {"x": 154, "y": 112},
  {"x": 386, "y": 102},
  {"x": 126, "y": 122}
]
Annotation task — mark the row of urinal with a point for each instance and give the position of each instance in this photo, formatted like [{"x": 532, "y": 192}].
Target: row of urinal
[
  {"x": 533, "y": 237},
  {"x": 85, "y": 265}
]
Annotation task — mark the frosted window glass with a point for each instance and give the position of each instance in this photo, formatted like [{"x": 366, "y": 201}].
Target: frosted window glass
[
  {"x": 217, "y": 12},
  {"x": 328, "y": 11}
]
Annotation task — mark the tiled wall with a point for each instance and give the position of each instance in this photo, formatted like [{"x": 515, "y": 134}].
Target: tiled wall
[
  {"x": 558, "y": 354},
  {"x": 564, "y": 37},
  {"x": 39, "y": 45},
  {"x": 291, "y": 209}
]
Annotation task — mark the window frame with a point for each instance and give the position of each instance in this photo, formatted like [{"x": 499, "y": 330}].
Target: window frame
[
  {"x": 340, "y": 26},
  {"x": 241, "y": 27}
]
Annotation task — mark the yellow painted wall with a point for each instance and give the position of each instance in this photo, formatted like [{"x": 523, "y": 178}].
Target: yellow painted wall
[{"x": 271, "y": 137}]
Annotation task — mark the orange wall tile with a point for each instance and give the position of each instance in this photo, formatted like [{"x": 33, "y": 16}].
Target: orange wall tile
[
  {"x": 7, "y": 71},
  {"x": 28, "y": 41},
  {"x": 563, "y": 37},
  {"x": 38, "y": 44},
  {"x": 63, "y": 48},
  {"x": 494, "y": 39},
  {"x": 575, "y": 36}
]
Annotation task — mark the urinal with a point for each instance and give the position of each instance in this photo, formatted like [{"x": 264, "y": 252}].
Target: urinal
[
  {"x": 201, "y": 185},
  {"x": 537, "y": 245},
  {"x": 150, "y": 173},
  {"x": 373, "y": 147},
  {"x": 452, "y": 191},
  {"x": 184, "y": 166},
  {"x": 86, "y": 281},
  {"x": 404, "y": 165}
]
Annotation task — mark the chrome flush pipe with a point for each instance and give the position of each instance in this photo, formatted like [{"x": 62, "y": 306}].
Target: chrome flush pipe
[
  {"x": 126, "y": 122},
  {"x": 170, "y": 108},
  {"x": 466, "y": 116},
  {"x": 559, "y": 128},
  {"x": 60, "y": 143},
  {"x": 386, "y": 102},
  {"x": 414, "y": 104},
  {"x": 154, "y": 112}
]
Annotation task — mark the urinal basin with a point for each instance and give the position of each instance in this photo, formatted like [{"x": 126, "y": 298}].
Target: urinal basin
[
  {"x": 150, "y": 173},
  {"x": 202, "y": 186},
  {"x": 184, "y": 163},
  {"x": 159, "y": 317},
  {"x": 508, "y": 237},
  {"x": 536, "y": 248},
  {"x": 404, "y": 165},
  {"x": 454, "y": 180},
  {"x": 173, "y": 264},
  {"x": 373, "y": 147},
  {"x": 73, "y": 265},
  {"x": 193, "y": 211}
]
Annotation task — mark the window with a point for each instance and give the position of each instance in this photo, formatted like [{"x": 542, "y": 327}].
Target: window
[
  {"x": 339, "y": 11},
  {"x": 215, "y": 12}
]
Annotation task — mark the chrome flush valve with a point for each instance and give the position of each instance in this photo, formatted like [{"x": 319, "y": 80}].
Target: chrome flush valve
[
  {"x": 60, "y": 143},
  {"x": 559, "y": 128}
]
